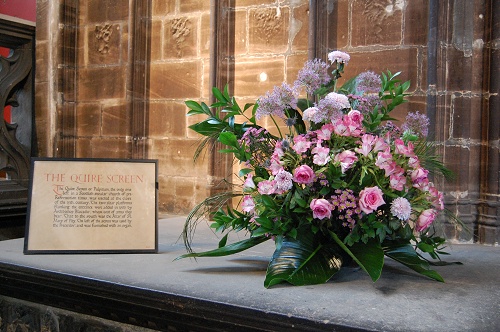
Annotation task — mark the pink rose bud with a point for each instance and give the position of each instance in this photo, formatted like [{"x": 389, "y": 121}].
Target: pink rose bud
[
  {"x": 321, "y": 208},
  {"x": 425, "y": 219}
]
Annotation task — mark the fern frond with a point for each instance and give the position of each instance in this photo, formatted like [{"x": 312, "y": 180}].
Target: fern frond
[
  {"x": 202, "y": 212},
  {"x": 429, "y": 160}
]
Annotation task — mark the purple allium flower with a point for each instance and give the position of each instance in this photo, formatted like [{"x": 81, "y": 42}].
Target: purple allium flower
[
  {"x": 368, "y": 82},
  {"x": 330, "y": 108},
  {"x": 338, "y": 56},
  {"x": 277, "y": 101},
  {"x": 417, "y": 123},
  {"x": 313, "y": 75},
  {"x": 401, "y": 208}
]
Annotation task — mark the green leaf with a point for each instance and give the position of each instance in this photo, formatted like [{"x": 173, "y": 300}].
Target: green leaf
[
  {"x": 196, "y": 108},
  {"x": 207, "y": 129},
  {"x": 218, "y": 94},
  {"x": 406, "y": 255},
  {"x": 229, "y": 249},
  {"x": 369, "y": 256},
  {"x": 303, "y": 261},
  {"x": 223, "y": 241},
  {"x": 229, "y": 139}
]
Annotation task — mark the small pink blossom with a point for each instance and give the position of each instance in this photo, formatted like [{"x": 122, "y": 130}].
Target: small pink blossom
[
  {"x": 321, "y": 155},
  {"x": 370, "y": 199},
  {"x": 397, "y": 182},
  {"x": 413, "y": 162},
  {"x": 341, "y": 128},
  {"x": 321, "y": 208},
  {"x": 419, "y": 177},
  {"x": 437, "y": 198},
  {"x": 346, "y": 159},
  {"x": 248, "y": 204},
  {"x": 275, "y": 165},
  {"x": 325, "y": 133},
  {"x": 380, "y": 145},
  {"x": 304, "y": 175},
  {"x": 301, "y": 144},
  {"x": 249, "y": 184},
  {"x": 367, "y": 142},
  {"x": 384, "y": 159},
  {"x": 425, "y": 219},
  {"x": 267, "y": 187},
  {"x": 401, "y": 148}
]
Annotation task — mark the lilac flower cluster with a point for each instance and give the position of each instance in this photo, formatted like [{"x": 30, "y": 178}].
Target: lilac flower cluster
[
  {"x": 368, "y": 82},
  {"x": 277, "y": 101},
  {"x": 328, "y": 109},
  {"x": 347, "y": 206},
  {"x": 313, "y": 75},
  {"x": 366, "y": 103},
  {"x": 416, "y": 123}
]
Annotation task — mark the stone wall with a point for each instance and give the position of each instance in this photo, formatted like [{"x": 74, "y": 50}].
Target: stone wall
[{"x": 96, "y": 96}]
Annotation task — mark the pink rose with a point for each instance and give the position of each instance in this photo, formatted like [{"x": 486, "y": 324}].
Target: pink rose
[
  {"x": 248, "y": 204},
  {"x": 304, "y": 175},
  {"x": 321, "y": 208},
  {"x": 356, "y": 117},
  {"x": 425, "y": 219},
  {"x": 346, "y": 158},
  {"x": 370, "y": 199}
]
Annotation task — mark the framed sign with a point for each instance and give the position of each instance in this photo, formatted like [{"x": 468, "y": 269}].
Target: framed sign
[{"x": 92, "y": 206}]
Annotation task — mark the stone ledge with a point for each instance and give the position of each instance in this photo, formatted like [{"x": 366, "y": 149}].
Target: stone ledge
[{"x": 227, "y": 293}]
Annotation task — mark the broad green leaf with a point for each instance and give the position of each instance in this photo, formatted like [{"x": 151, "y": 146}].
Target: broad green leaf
[
  {"x": 406, "y": 255},
  {"x": 244, "y": 171},
  {"x": 369, "y": 256},
  {"x": 303, "y": 261},
  {"x": 229, "y": 139},
  {"x": 229, "y": 249},
  {"x": 207, "y": 129}
]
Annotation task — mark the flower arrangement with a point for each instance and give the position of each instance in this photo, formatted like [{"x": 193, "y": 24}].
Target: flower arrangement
[{"x": 343, "y": 185}]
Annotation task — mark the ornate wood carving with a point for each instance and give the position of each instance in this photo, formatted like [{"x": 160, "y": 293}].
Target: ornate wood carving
[{"x": 16, "y": 139}]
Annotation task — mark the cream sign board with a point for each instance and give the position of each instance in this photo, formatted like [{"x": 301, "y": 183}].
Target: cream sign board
[{"x": 92, "y": 206}]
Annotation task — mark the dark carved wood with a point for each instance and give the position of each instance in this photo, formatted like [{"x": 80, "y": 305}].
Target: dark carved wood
[
  {"x": 16, "y": 139},
  {"x": 163, "y": 311},
  {"x": 141, "y": 49},
  {"x": 222, "y": 30}
]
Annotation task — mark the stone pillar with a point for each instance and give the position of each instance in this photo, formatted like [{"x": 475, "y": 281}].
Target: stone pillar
[
  {"x": 488, "y": 229},
  {"x": 460, "y": 84}
]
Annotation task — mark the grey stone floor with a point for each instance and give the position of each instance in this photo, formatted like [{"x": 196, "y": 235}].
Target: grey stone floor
[{"x": 400, "y": 300}]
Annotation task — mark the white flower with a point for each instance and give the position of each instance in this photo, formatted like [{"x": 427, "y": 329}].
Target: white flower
[{"x": 401, "y": 208}]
